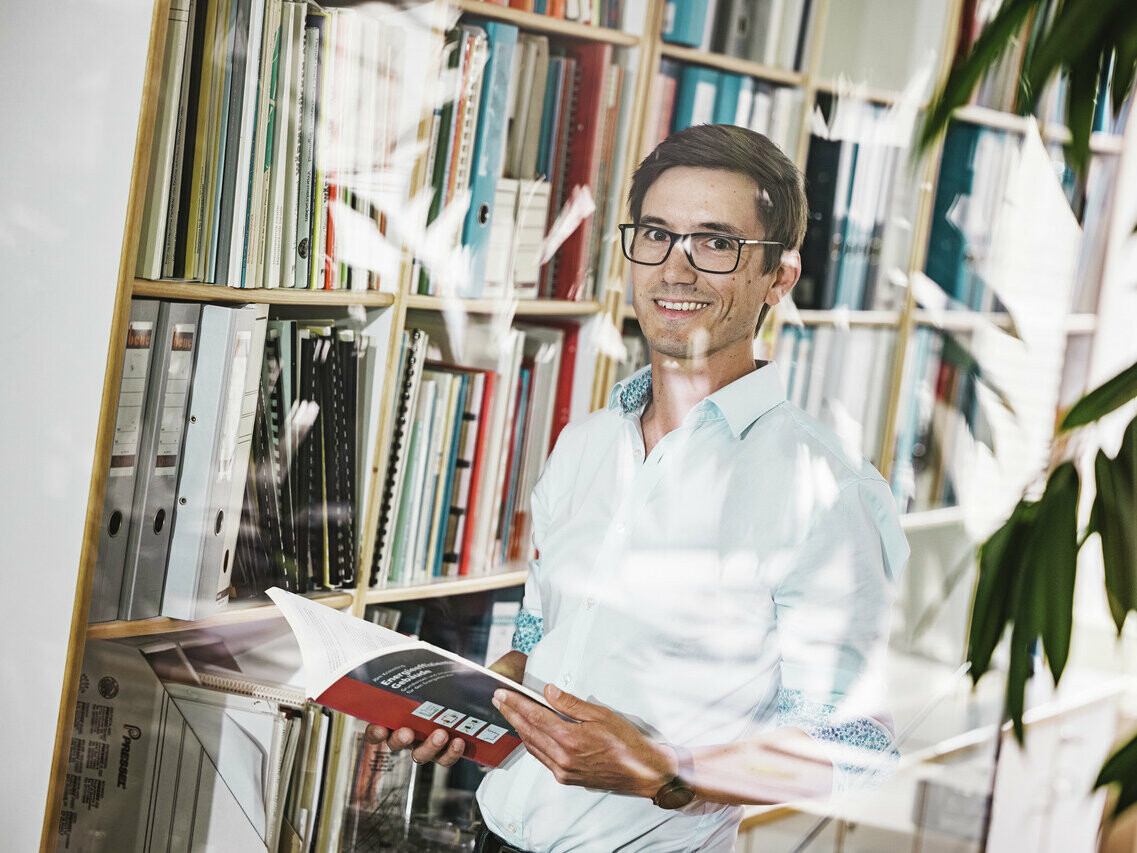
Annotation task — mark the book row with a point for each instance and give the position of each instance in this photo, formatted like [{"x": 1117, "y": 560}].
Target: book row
[
  {"x": 304, "y": 490},
  {"x": 522, "y": 144},
  {"x": 940, "y": 415},
  {"x": 841, "y": 377},
  {"x": 970, "y": 215},
  {"x": 1003, "y": 87},
  {"x": 850, "y": 178},
  {"x": 597, "y": 13},
  {"x": 234, "y": 466},
  {"x": 773, "y": 32},
  {"x": 474, "y": 423},
  {"x": 276, "y": 152},
  {"x": 686, "y": 95}
]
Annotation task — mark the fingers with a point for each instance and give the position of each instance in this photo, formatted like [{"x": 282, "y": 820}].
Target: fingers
[
  {"x": 540, "y": 729},
  {"x": 438, "y": 748},
  {"x": 574, "y": 706},
  {"x": 376, "y": 734}
]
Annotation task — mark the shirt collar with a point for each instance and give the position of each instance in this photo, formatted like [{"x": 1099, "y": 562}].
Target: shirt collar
[{"x": 741, "y": 402}]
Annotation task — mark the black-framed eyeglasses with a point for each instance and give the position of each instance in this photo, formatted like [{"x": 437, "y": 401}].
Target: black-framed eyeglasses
[{"x": 707, "y": 252}]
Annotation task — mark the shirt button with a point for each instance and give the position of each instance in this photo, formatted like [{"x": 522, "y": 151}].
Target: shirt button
[
  {"x": 512, "y": 828},
  {"x": 566, "y": 679},
  {"x": 620, "y": 528},
  {"x": 591, "y": 602}
]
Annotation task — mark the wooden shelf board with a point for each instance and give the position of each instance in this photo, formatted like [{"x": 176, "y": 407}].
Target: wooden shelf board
[
  {"x": 271, "y": 296},
  {"x": 988, "y": 117},
  {"x": 546, "y": 24},
  {"x": 235, "y": 616},
  {"x": 840, "y": 317},
  {"x": 929, "y": 518},
  {"x": 518, "y": 307},
  {"x": 957, "y": 321},
  {"x": 747, "y": 67},
  {"x": 867, "y": 93},
  {"x": 1081, "y": 323},
  {"x": 1100, "y": 142},
  {"x": 447, "y": 586}
]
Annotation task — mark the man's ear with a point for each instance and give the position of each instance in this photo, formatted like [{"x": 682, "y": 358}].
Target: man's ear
[{"x": 786, "y": 276}]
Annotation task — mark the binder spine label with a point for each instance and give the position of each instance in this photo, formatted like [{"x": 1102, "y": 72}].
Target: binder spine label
[
  {"x": 174, "y": 404},
  {"x": 131, "y": 396}
]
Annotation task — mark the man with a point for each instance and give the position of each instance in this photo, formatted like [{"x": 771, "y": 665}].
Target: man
[{"x": 714, "y": 570}]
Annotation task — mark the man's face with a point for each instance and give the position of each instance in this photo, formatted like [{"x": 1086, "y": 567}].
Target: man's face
[{"x": 725, "y": 305}]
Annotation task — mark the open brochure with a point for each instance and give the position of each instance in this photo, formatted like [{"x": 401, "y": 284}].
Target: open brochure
[{"x": 387, "y": 678}]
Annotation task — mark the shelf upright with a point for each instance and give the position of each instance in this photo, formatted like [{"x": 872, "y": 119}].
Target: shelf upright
[
  {"x": 921, "y": 232},
  {"x": 617, "y": 275}
]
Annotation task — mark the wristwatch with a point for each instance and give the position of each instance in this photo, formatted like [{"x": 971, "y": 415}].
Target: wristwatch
[{"x": 676, "y": 793}]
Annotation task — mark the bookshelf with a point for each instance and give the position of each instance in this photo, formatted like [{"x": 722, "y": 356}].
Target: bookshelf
[
  {"x": 457, "y": 586},
  {"x": 731, "y": 63},
  {"x": 643, "y": 52},
  {"x": 236, "y": 615},
  {"x": 191, "y": 292}
]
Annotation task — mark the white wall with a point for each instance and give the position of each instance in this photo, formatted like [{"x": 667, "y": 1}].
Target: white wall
[{"x": 72, "y": 73}]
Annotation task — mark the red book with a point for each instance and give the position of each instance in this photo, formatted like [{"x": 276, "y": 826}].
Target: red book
[
  {"x": 476, "y": 472},
  {"x": 582, "y": 162},
  {"x": 562, "y": 407}
]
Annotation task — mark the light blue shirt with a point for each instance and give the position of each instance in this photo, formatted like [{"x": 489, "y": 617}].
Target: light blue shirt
[{"x": 735, "y": 580}]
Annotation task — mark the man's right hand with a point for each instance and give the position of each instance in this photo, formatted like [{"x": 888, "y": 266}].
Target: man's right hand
[{"x": 438, "y": 748}]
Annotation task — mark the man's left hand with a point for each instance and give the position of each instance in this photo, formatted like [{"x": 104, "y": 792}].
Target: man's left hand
[{"x": 602, "y": 750}]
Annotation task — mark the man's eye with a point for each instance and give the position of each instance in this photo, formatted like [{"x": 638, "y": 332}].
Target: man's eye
[
  {"x": 718, "y": 244},
  {"x": 656, "y": 235}
]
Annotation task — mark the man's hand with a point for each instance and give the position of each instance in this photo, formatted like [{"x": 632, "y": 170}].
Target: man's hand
[
  {"x": 602, "y": 751},
  {"x": 438, "y": 748}
]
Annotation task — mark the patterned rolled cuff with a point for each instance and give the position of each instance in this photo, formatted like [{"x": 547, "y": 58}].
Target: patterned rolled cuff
[
  {"x": 527, "y": 631},
  {"x": 861, "y": 749}
]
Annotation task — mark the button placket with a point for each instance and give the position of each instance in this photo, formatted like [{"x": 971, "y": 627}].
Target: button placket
[{"x": 611, "y": 553}]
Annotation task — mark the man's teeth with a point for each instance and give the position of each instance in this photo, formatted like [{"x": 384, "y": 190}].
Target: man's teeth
[{"x": 681, "y": 306}]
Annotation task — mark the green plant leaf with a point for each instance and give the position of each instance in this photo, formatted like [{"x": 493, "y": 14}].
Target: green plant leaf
[
  {"x": 1124, "y": 62},
  {"x": 1027, "y": 616},
  {"x": 1111, "y": 395},
  {"x": 1114, "y": 511},
  {"x": 999, "y": 567},
  {"x": 1052, "y": 564},
  {"x": 1081, "y": 105},
  {"x": 965, "y": 75},
  {"x": 1073, "y": 37},
  {"x": 1121, "y": 769}
]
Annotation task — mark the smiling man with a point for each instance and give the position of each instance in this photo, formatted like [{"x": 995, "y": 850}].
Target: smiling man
[{"x": 710, "y": 600}]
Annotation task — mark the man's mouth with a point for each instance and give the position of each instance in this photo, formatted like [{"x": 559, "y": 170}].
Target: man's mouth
[{"x": 689, "y": 306}]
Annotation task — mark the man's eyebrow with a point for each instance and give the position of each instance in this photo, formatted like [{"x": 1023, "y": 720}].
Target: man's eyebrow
[
  {"x": 721, "y": 228},
  {"x": 717, "y": 227}
]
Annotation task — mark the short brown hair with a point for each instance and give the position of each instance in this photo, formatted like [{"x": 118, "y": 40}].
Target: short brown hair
[{"x": 782, "y": 206}]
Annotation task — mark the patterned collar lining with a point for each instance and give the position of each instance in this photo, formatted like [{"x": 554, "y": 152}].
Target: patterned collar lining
[
  {"x": 635, "y": 391},
  {"x": 741, "y": 402}
]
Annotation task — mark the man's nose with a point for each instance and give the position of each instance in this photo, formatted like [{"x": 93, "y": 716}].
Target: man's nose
[{"x": 679, "y": 266}]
